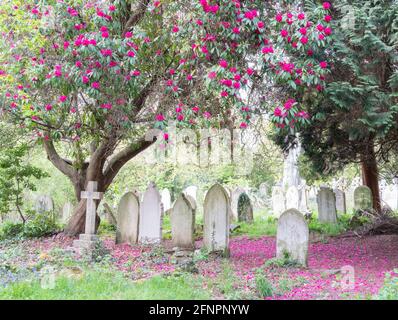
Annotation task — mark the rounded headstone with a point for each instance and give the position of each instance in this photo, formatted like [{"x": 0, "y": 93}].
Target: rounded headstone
[
  {"x": 183, "y": 224},
  {"x": 150, "y": 224},
  {"x": 245, "y": 208},
  {"x": 278, "y": 201},
  {"x": 363, "y": 198},
  {"x": 216, "y": 219},
  {"x": 292, "y": 237},
  {"x": 128, "y": 219},
  {"x": 326, "y": 201}
]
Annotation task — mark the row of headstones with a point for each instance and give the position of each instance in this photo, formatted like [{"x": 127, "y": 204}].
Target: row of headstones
[
  {"x": 329, "y": 201},
  {"x": 141, "y": 221}
]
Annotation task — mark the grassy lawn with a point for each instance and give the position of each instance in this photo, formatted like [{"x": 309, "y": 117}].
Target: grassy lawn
[{"x": 109, "y": 285}]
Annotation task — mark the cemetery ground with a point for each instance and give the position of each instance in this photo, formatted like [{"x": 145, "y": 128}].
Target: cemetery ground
[{"x": 47, "y": 268}]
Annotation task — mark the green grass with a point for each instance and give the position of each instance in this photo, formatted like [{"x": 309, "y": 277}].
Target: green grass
[
  {"x": 259, "y": 227},
  {"x": 329, "y": 229},
  {"x": 109, "y": 285}
]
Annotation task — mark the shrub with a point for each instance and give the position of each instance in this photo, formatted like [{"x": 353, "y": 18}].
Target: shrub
[
  {"x": 263, "y": 286},
  {"x": 11, "y": 230},
  {"x": 284, "y": 262},
  {"x": 41, "y": 225}
]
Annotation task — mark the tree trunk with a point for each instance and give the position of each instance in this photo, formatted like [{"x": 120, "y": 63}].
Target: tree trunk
[
  {"x": 76, "y": 224},
  {"x": 370, "y": 176},
  {"x": 98, "y": 169}
]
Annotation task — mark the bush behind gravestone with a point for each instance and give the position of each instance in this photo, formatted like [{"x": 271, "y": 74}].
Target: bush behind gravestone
[{"x": 40, "y": 225}]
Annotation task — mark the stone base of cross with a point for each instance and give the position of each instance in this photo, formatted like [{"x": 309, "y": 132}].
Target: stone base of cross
[{"x": 88, "y": 239}]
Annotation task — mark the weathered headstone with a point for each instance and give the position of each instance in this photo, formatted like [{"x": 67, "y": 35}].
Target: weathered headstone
[
  {"x": 88, "y": 239},
  {"x": 278, "y": 201},
  {"x": 166, "y": 199},
  {"x": 326, "y": 201},
  {"x": 183, "y": 224},
  {"x": 245, "y": 208},
  {"x": 303, "y": 196},
  {"x": 340, "y": 201},
  {"x": 150, "y": 225},
  {"x": 192, "y": 191},
  {"x": 350, "y": 193},
  {"x": 216, "y": 219},
  {"x": 192, "y": 201},
  {"x": 292, "y": 237},
  {"x": 67, "y": 212},
  {"x": 292, "y": 198},
  {"x": 263, "y": 190},
  {"x": 234, "y": 202},
  {"x": 390, "y": 196},
  {"x": 363, "y": 198},
  {"x": 44, "y": 203},
  {"x": 128, "y": 219}
]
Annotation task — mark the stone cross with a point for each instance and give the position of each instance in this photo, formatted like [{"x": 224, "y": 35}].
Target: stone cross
[{"x": 91, "y": 195}]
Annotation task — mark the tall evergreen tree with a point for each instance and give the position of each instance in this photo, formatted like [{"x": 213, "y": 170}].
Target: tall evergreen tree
[{"x": 356, "y": 120}]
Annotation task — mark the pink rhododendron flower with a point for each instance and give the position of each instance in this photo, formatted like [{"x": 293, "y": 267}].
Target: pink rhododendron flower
[
  {"x": 160, "y": 117},
  {"x": 326, "y": 5},
  {"x": 95, "y": 85},
  {"x": 223, "y": 64},
  {"x": 277, "y": 112},
  {"x": 323, "y": 64}
]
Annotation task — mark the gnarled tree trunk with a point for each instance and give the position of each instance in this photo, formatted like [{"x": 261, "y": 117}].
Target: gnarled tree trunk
[
  {"x": 370, "y": 175},
  {"x": 102, "y": 167}
]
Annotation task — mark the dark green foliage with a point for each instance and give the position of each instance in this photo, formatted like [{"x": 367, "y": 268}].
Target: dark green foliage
[
  {"x": 360, "y": 105},
  {"x": 39, "y": 226},
  {"x": 10, "y": 230}
]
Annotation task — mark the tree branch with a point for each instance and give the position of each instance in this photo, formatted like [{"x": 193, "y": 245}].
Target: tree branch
[
  {"x": 57, "y": 161},
  {"x": 138, "y": 14},
  {"x": 121, "y": 158}
]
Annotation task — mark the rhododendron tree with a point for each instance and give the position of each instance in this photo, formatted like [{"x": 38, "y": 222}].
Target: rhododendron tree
[{"x": 102, "y": 72}]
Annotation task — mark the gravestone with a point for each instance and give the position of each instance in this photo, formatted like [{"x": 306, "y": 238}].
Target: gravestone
[
  {"x": 292, "y": 198},
  {"x": 292, "y": 237},
  {"x": 166, "y": 199},
  {"x": 278, "y": 201},
  {"x": 216, "y": 220},
  {"x": 183, "y": 224},
  {"x": 263, "y": 190},
  {"x": 350, "y": 193},
  {"x": 340, "y": 201},
  {"x": 67, "y": 212},
  {"x": 326, "y": 201},
  {"x": 150, "y": 225},
  {"x": 192, "y": 201},
  {"x": 390, "y": 196},
  {"x": 192, "y": 191},
  {"x": 88, "y": 239},
  {"x": 363, "y": 198},
  {"x": 245, "y": 208},
  {"x": 128, "y": 217},
  {"x": 234, "y": 202},
  {"x": 303, "y": 190},
  {"x": 44, "y": 203}
]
